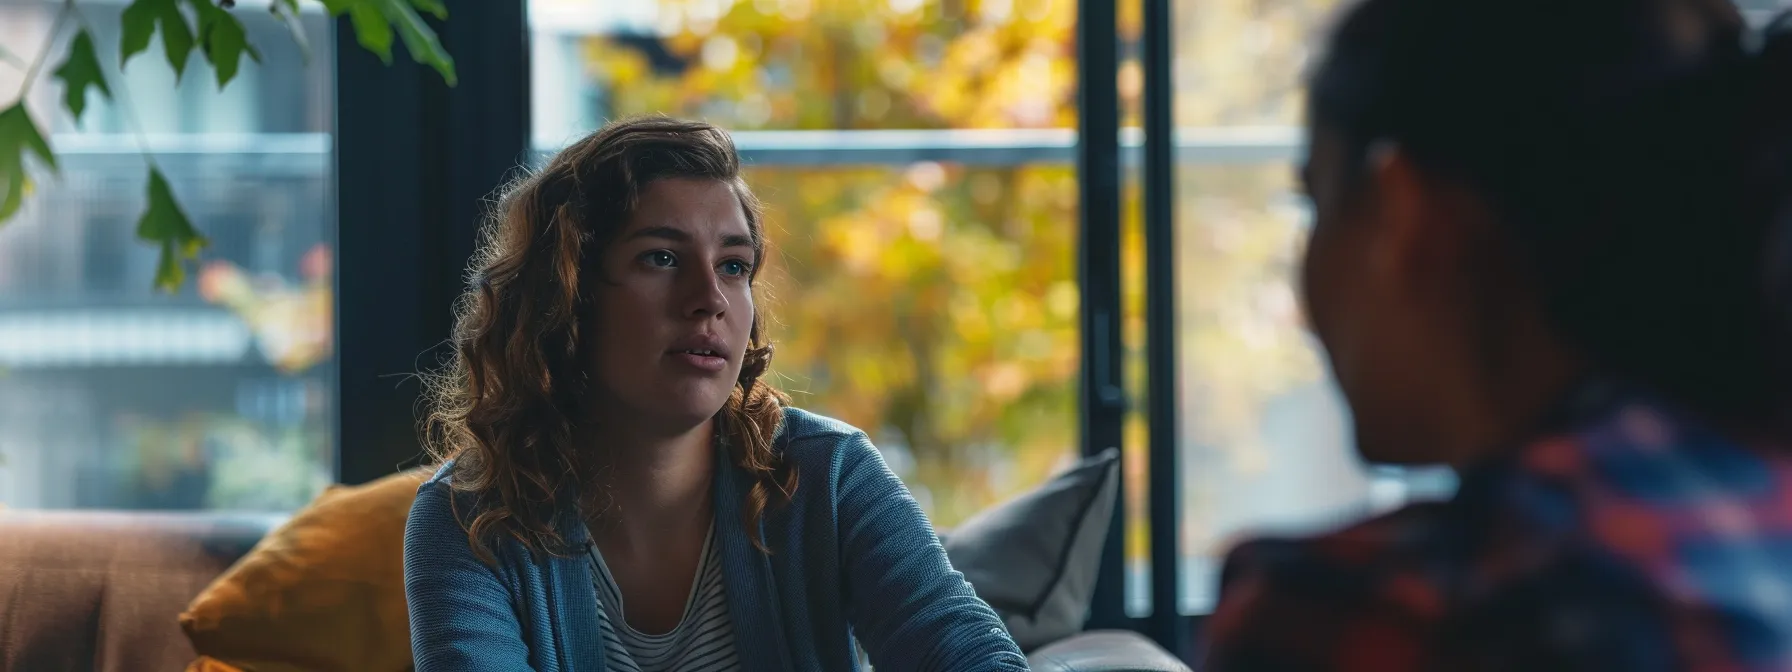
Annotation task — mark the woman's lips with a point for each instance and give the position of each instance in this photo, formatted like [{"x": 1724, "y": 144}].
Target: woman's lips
[{"x": 704, "y": 362}]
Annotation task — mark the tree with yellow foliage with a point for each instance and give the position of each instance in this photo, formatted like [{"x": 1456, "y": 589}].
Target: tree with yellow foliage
[{"x": 935, "y": 305}]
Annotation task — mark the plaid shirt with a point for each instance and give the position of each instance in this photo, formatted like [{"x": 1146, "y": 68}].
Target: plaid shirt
[{"x": 1631, "y": 538}]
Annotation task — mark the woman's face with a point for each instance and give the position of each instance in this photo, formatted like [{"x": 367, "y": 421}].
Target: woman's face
[{"x": 675, "y": 308}]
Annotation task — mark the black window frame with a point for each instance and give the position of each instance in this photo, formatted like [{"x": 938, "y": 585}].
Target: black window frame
[{"x": 415, "y": 160}]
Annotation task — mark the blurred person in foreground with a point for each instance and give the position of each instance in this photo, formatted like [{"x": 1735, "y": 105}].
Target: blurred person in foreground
[
  {"x": 620, "y": 489},
  {"x": 1548, "y": 251}
]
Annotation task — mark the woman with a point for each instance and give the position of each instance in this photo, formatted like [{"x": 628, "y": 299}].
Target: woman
[
  {"x": 619, "y": 489},
  {"x": 1541, "y": 254}
]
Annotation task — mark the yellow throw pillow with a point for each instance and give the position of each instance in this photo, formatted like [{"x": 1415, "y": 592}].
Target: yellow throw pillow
[{"x": 323, "y": 592}]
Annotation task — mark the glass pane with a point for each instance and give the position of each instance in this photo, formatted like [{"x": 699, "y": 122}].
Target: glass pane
[
  {"x": 220, "y": 396},
  {"x": 1265, "y": 439},
  {"x": 1136, "y": 427},
  {"x": 1135, "y": 442},
  {"x": 1266, "y": 444},
  {"x": 1239, "y": 63},
  {"x": 805, "y": 64},
  {"x": 934, "y": 306},
  {"x": 922, "y": 284}
]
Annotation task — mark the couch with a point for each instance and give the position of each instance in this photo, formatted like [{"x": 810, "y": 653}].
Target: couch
[{"x": 101, "y": 591}]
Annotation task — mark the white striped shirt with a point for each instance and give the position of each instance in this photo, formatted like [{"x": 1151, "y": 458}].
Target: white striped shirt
[{"x": 702, "y": 640}]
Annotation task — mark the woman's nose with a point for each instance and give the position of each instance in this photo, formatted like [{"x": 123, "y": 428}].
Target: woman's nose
[{"x": 703, "y": 294}]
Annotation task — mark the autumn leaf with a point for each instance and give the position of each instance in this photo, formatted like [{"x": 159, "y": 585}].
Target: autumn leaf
[
  {"x": 18, "y": 135},
  {"x": 222, "y": 40},
  {"x": 141, "y": 20},
  {"x": 81, "y": 70},
  {"x": 164, "y": 224}
]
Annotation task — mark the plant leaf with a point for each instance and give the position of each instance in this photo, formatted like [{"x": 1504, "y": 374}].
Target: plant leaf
[
  {"x": 222, "y": 40},
  {"x": 372, "y": 30},
  {"x": 435, "y": 8},
  {"x": 374, "y": 21},
  {"x": 81, "y": 70},
  {"x": 18, "y": 135},
  {"x": 177, "y": 39},
  {"x": 164, "y": 224},
  {"x": 419, "y": 39},
  {"x": 141, "y": 20},
  {"x": 139, "y": 24},
  {"x": 287, "y": 11}
]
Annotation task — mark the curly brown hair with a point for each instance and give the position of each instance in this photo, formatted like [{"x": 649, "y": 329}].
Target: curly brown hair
[{"x": 511, "y": 409}]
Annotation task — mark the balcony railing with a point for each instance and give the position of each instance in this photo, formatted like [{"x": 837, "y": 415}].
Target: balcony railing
[{"x": 95, "y": 328}]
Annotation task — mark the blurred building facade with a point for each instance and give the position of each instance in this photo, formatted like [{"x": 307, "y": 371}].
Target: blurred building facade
[{"x": 115, "y": 395}]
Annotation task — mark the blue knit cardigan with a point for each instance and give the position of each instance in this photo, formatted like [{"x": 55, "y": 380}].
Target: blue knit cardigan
[{"x": 852, "y": 556}]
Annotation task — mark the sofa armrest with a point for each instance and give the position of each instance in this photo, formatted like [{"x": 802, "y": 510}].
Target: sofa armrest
[{"x": 1105, "y": 651}]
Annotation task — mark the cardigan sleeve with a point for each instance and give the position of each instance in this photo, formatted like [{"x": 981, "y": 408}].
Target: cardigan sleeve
[
  {"x": 908, "y": 607},
  {"x": 461, "y": 616}
]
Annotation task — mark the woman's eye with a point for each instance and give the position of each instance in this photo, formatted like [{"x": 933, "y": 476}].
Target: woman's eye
[
  {"x": 660, "y": 258},
  {"x": 735, "y": 267}
]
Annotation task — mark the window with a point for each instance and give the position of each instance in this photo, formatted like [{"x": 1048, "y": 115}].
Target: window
[
  {"x": 1759, "y": 12},
  {"x": 1265, "y": 442},
  {"x": 923, "y": 281},
  {"x": 221, "y": 396}
]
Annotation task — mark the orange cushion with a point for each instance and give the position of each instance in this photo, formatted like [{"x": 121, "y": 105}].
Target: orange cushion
[{"x": 325, "y": 591}]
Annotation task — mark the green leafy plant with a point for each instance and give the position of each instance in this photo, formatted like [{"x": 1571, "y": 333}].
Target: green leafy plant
[{"x": 211, "y": 28}]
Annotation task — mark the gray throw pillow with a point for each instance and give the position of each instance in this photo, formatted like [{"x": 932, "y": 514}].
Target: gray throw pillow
[{"x": 1034, "y": 558}]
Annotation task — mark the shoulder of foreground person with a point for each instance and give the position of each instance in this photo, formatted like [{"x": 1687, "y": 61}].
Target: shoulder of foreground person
[
  {"x": 1341, "y": 601},
  {"x": 1503, "y": 576},
  {"x": 1330, "y": 604}
]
